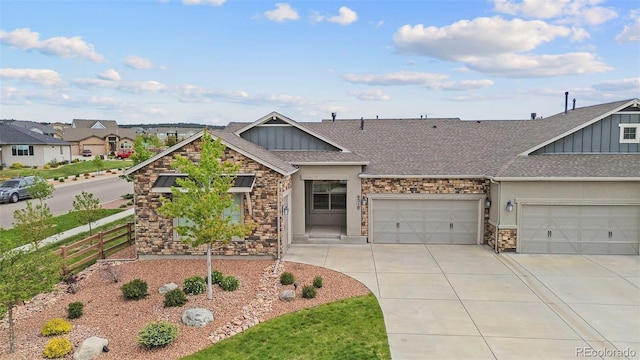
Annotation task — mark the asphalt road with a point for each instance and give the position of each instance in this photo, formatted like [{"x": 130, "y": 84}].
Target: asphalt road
[{"x": 104, "y": 187}]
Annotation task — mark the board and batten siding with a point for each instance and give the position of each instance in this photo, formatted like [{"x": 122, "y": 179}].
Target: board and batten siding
[
  {"x": 285, "y": 137},
  {"x": 600, "y": 137}
]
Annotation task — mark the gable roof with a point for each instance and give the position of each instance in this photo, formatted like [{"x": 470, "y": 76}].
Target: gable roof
[
  {"x": 277, "y": 116},
  {"x": 15, "y": 135},
  {"x": 88, "y": 124},
  {"x": 31, "y": 125},
  {"x": 233, "y": 142},
  {"x": 77, "y": 134}
]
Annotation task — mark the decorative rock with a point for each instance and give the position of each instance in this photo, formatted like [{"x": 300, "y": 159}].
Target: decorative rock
[
  {"x": 91, "y": 348},
  {"x": 167, "y": 287},
  {"x": 197, "y": 317},
  {"x": 287, "y": 295}
]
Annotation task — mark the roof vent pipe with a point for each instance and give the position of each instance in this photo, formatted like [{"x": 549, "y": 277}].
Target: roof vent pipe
[
  {"x": 566, "y": 101},
  {"x": 361, "y": 123},
  {"x": 574, "y": 104},
  {"x": 420, "y": 117},
  {"x": 533, "y": 116},
  {"x": 333, "y": 116}
]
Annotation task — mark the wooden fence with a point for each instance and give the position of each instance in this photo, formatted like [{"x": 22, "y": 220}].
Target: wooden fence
[{"x": 95, "y": 247}]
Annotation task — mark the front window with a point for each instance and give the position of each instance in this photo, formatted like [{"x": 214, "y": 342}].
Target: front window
[
  {"x": 22, "y": 150},
  {"x": 234, "y": 214},
  {"x": 330, "y": 195},
  {"x": 629, "y": 133}
]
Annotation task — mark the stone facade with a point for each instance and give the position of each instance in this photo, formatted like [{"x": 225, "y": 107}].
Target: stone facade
[
  {"x": 422, "y": 186},
  {"x": 154, "y": 232},
  {"x": 507, "y": 239},
  {"x": 490, "y": 235}
]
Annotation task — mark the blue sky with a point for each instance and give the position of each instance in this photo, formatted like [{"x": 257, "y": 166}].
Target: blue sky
[{"x": 216, "y": 61}]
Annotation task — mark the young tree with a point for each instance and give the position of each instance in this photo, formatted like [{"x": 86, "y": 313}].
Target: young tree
[
  {"x": 86, "y": 208},
  {"x": 41, "y": 190},
  {"x": 98, "y": 162},
  {"x": 140, "y": 151},
  {"x": 203, "y": 198}
]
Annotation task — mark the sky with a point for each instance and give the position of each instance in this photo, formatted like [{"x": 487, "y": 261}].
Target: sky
[{"x": 216, "y": 61}]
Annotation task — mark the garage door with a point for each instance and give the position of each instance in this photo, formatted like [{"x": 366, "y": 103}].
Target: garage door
[
  {"x": 560, "y": 229},
  {"x": 424, "y": 221}
]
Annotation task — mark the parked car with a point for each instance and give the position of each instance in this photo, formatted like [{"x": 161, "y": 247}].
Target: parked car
[
  {"x": 86, "y": 152},
  {"x": 16, "y": 189},
  {"x": 124, "y": 154}
]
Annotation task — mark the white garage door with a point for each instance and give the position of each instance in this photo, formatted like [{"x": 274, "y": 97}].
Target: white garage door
[
  {"x": 564, "y": 229},
  {"x": 424, "y": 221}
]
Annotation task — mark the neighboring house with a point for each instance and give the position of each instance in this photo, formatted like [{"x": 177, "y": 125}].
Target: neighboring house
[
  {"x": 37, "y": 127},
  {"x": 29, "y": 148},
  {"x": 102, "y": 137},
  {"x": 569, "y": 183},
  {"x": 179, "y": 134}
]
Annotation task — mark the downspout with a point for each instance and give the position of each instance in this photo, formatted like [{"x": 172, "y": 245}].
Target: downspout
[
  {"x": 279, "y": 207},
  {"x": 495, "y": 241}
]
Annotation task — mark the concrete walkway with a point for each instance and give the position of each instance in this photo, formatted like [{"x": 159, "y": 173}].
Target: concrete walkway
[{"x": 466, "y": 302}]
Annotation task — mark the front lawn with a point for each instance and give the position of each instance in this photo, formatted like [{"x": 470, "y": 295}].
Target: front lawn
[
  {"x": 68, "y": 170},
  {"x": 346, "y": 329}
]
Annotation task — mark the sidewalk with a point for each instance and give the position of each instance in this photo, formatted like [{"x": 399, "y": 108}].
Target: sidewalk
[{"x": 85, "y": 228}]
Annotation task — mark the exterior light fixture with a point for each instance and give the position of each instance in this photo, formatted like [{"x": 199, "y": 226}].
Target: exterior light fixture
[
  {"x": 364, "y": 200},
  {"x": 285, "y": 210},
  {"x": 509, "y": 206},
  {"x": 487, "y": 202}
]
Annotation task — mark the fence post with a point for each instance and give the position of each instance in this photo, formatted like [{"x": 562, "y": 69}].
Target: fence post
[
  {"x": 129, "y": 231},
  {"x": 101, "y": 244},
  {"x": 64, "y": 259}
]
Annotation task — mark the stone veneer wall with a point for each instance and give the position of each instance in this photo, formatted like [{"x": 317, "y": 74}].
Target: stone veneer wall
[
  {"x": 490, "y": 235},
  {"x": 507, "y": 239},
  {"x": 422, "y": 186},
  {"x": 154, "y": 233}
]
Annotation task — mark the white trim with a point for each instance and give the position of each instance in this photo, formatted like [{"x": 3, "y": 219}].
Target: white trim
[
  {"x": 629, "y": 126},
  {"x": 633, "y": 102}
]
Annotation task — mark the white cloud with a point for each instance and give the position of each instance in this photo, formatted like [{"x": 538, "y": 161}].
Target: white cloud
[
  {"x": 43, "y": 77},
  {"x": 154, "y": 111},
  {"x": 479, "y": 37},
  {"x": 370, "y": 95},
  {"x": 346, "y": 16},
  {"x": 282, "y": 13},
  {"x": 196, "y": 94},
  {"x": 630, "y": 84},
  {"x": 529, "y": 66},
  {"x": 136, "y": 87},
  {"x": 110, "y": 74},
  {"x": 631, "y": 32},
  {"x": 464, "y": 85},
  {"x": 563, "y": 11},
  {"x": 204, "y": 2},
  {"x": 579, "y": 34},
  {"x": 65, "y": 47},
  {"x": 138, "y": 63},
  {"x": 143, "y": 86},
  {"x": 398, "y": 78}
]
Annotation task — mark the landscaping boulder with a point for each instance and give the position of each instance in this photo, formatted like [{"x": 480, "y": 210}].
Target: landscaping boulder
[
  {"x": 197, "y": 317},
  {"x": 287, "y": 295},
  {"x": 167, "y": 287},
  {"x": 90, "y": 348}
]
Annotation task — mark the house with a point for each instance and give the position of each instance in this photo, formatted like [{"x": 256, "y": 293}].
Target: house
[
  {"x": 37, "y": 127},
  {"x": 102, "y": 137},
  {"x": 569, "y": 183},
  {"x": 21, "y": 145}
]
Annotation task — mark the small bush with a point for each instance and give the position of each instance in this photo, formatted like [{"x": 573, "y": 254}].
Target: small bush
[
  {"x": 16, "y": 165},
  {"x": 75, "y": 310},
  {"x": 57, "y": 348},
  {"x": 57, "y": 326},
  {"x": 308, "y": 292},
  {"x": 194, "y": 285},
  {"x": 229, "y": 283},
  {"x": 287, "y": 278},
  {"x": 134, "y": 290},
  {"x": 157, "y": 334},
  {"x": 61, "y": 179},
  {"x": 216, "y": 277},
  {"x": 317, "y": 282},
  {"x": 175, "y": 297}
]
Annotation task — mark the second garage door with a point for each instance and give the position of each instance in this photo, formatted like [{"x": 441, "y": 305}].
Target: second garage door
[
  {"x": 424, "y": 221},
  {"x": 580, "y": 229}
]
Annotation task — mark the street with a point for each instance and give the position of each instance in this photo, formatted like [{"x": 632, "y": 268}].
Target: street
[{"x": 104, "y": 187}]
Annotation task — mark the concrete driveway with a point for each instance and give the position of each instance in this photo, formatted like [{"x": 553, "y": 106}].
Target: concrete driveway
[{"x": 466, "y": 302}]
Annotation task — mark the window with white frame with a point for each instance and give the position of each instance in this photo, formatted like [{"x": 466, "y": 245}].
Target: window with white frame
[
  {"x": 329, "y": 194},
  {"x": 234, "y": 213},
  {"x": 629, "y": 133},
  {"x": 22, "y": 150}
]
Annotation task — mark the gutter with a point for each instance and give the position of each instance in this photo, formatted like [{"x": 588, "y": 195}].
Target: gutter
[
  {"x": 424, "y": 176},
  {"x": 546, "y": 178}
]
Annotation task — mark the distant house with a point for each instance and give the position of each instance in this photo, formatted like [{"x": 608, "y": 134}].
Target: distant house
[
  {"x": 29, "y": 148},
  {"x": 178, "y": 134},
  {"x": 565, "y": 184},
  {"x": 37, "y": 127},
  {"x": 102, "y": 137}
]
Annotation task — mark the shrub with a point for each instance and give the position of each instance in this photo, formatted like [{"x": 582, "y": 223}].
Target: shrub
[
  {"x": 16, "y": 165},
  {"x": 229, "y": 283},
  {"x": 216, "y": 277},
  {"x": 308, "y": 292},
  {"x": 287, "y": 278},
  {"x": 57, "y": 326},
  {"x": 53, "y": 163},
  {"x": 134, "y": 290},
  {"x": 317, "y": 282},
  {"x": 46, "y": 166},
  {"x": 57, "y": 348},
  {"x": 61, "y": 179},
  {"x": 194, "y": 285},
  {"x": 157, "y": 334},
  {"x": 74, "y": 310},
  {"x": 175, "y": 297}
]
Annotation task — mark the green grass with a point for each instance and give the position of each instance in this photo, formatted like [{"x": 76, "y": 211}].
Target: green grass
[
  {"x": 74, "y": 169},
  {"x": 347, "y": 329},
  {"x": 63, "y": 223}
]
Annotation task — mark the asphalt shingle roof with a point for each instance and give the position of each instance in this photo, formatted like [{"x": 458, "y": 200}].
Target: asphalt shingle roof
[{"x": 15, "y": 135}]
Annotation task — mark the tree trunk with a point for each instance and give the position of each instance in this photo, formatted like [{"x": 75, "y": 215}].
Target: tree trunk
[
  {"x": 209, "y": 284},
  {"x": 11, "y": 334}
]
